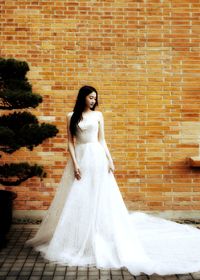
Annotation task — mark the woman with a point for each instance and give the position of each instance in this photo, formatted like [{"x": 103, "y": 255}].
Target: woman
[{"x": 88, "y": 223}]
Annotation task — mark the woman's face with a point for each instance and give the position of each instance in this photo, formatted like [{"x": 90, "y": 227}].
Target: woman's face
[{"x": 90, "y": 100}]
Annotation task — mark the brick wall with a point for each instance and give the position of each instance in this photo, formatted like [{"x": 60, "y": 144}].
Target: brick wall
[{"x": 143, "y": 58}]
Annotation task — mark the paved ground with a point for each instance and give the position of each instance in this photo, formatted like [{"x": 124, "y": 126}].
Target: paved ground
[{"x": 22, "y": 263}]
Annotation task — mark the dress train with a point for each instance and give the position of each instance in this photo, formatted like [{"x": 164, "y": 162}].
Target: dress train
[{"x": 88, "y": 223}]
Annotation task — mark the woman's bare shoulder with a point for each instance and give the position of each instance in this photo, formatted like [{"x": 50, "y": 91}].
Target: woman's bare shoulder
[
  {"x": 99, "y": 113},
  {"x": 69, "y": 114}
]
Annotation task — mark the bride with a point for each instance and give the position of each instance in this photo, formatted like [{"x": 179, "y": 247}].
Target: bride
[{"x": 88, "y": 223}]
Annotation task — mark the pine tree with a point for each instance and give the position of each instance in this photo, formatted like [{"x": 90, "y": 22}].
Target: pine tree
[{"x": 20, "y": 128}]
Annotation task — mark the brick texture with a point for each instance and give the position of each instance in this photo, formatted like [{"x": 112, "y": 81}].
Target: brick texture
[{"x": 143, "y": 57}]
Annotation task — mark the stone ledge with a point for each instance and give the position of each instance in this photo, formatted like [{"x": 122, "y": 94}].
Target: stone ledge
[{"x": 193, "y": 161}]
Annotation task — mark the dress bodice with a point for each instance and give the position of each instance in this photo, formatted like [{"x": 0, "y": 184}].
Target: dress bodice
[{"x": 88, "y": 129}]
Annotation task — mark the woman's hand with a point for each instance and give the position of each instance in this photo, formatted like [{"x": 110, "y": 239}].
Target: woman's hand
[
  {"x": 111, "y": 167},
  {"x": 77, "y": 172}
]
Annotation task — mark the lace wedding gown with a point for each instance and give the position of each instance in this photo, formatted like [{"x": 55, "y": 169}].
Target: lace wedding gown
[{"x": 88, "y": 223}]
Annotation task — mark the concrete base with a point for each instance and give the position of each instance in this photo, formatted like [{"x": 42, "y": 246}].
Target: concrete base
[
  {"x": 168, "y": 214},
  {"x": 176, "y": 215},
  {"x": 29, "y": 214}
]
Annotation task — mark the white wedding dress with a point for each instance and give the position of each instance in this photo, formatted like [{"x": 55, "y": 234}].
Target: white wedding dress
[{"x": 88, "y": 223}]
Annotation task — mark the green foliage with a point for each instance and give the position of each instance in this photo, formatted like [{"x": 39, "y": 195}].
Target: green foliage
[
  {"x": 10, "y": 99},
  {"x": 35, "y": 134},
  {"x": 16, "y": 173},
  {"x": 11, "y": 67},
  {"x": 19, "y": 129},
  {"x": 17, "y": 120},
  {"x": 7, "y": 140},
  {"x": 15, "y": 90},
  {"x": 23, "y": 130}
]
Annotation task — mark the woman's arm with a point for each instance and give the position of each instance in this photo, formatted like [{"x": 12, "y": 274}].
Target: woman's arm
[
  {"x": 71, "y": 149},
  {"x": 103, "y": 142}
]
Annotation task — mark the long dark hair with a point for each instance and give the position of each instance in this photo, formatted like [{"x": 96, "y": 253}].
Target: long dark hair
[{"x": 80, "y": 107}]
